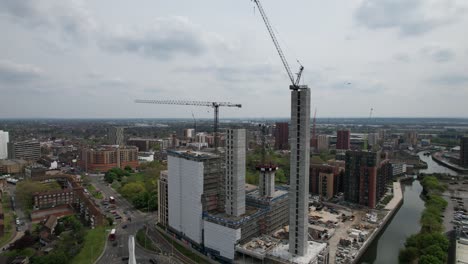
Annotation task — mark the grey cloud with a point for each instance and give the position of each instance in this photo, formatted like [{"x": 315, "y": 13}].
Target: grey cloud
[
  {"x": 402, "y": 57},
  {"x": 11, "y": 72},
  {"x": 409, "y": 17},
  {"x": 450, "y": 80},
  {"x": 439, "y": 54},
  {"x": 69, "y": 18},
  {"x": 235, "y": 73},
  {"x": 166, "y": 38}
]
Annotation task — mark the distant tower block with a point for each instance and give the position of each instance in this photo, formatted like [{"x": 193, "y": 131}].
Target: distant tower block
[
  {"x": 235, "y": 172},
  {"x": 299, "y": 179},
  {"x": 267, "y": 179}
]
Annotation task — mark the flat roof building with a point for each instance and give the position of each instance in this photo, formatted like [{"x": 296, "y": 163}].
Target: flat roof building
[
  {"x": 360, "y": 181},
  {"x": 194, "y": 187},
  {"x": 464, "y": 151},
  {"x": 4, "y": 139},
  {"x": 27, "y": 150},
  {"x": 282, "y": 136},
  {"x": 343, "y": 139},
  {"x": 163, "y": 209},
  {"x": 105, "y": 158}
]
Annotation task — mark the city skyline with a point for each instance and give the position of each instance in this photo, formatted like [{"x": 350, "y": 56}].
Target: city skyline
[{"x": 77, "y": 59}]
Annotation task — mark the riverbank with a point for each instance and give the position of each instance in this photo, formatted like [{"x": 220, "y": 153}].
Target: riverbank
[
  {"x": 393, "y": 206},
  {"x": 430, "y": 245},
  {"x": 437, "y": 157}
]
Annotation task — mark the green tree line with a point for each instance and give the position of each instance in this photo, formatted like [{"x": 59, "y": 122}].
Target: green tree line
[{"x": 430, "y": 245}]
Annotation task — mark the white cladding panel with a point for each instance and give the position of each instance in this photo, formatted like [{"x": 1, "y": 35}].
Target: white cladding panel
[
  {"x": 185, "y": 187},
  {"x": 221, "y": 238}
]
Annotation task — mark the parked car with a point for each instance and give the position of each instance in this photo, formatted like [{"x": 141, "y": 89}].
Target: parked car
[{"x": 124, "y": 226}]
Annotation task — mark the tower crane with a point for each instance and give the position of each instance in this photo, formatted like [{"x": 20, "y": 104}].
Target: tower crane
[
  {"x": 215, "y": 106},
  {"x": 295, "y": 82}
]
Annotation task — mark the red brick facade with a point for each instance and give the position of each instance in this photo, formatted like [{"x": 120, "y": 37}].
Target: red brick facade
[{"x": 106, "y": 158}]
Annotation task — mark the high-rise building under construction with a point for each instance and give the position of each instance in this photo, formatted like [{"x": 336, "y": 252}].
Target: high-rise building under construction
[
  {"x": 235, "y": 172},
  {"x": 299, "y": 178}
]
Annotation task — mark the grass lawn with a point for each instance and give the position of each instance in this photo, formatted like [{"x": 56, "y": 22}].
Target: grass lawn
[
  {"x": 143, "y": 240},
  {"x": 8, "y": 220},
  {"x": 94, "y": 242}
]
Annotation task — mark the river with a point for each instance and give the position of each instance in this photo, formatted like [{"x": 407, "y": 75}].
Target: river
[{"x": 386, "y": 247}]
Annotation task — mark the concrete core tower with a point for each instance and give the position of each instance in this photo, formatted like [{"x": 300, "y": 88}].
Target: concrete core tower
[
  {"x": 299, "y": 176},
  {"x": 267, "y": 179},
  {"x": 235, "y": 172}
]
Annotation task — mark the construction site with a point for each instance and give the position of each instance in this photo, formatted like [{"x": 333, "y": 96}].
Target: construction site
[{"x": 212, "y": 210}]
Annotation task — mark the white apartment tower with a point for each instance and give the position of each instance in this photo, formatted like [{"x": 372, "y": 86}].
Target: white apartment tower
[
  {"x": 4, "y": 139},
  {"x": 299, "y": 136},
  {"x": 235, "y": 172}
]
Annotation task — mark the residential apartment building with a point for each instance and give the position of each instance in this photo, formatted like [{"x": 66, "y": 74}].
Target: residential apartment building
[
  {"x": 26, "y": 150},
  {"x": 163, "y": 209},
  {"x": 360, "y": 181},
  {"x": 464, "y": 151},
  {"x": 343, "y": 139},
  {"x": 282, "y": 136},
  {"x": 105, "y": 158}
]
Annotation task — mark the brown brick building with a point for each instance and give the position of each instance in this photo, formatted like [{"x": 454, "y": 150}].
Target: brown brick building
[
  {"x": 53, "y": 198},
  {"x": 105, "y": 158}
]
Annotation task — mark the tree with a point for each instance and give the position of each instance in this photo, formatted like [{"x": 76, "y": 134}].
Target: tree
[
  {"x": 110, "y": 220},
  {"x": 110, "y": 177},
  {"x": 128, "y": 168},
  {"x": 436, "y": 251},
  {"x": 429, "y": 259},
  {"x": 408, "y": 255},
  {"x": 131, "y": 189},
  {"x": 26, "y": 189}
]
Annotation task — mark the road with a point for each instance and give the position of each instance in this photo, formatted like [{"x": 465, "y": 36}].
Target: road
[
  {"x": 25, "y": 221},
  {"x": 117, "y": 249}
]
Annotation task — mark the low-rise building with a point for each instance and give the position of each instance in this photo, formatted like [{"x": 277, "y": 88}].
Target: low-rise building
[
  {"x": 13, "y": 166},
  {"x": 50, "y": 199}
]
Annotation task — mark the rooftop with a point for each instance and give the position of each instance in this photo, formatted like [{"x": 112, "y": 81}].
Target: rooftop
[
  {"x": 192, "y": 155},
  {"x": 231, "y": 220},
  {"x": 462, "y": 251},
  {"x": 277, "y": 194},
  {"x": 258, "y": 246},
  {"x": 282, "y": 252},
  {"x": 323, "y": 216}
]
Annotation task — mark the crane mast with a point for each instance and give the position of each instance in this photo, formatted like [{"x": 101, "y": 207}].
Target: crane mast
[
  {"x": 214, "y": 105},
  {"x": 294, "y": 82}
]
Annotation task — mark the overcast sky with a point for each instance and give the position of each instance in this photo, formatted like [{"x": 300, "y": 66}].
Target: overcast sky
[{"x": 91, "y": 59}]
